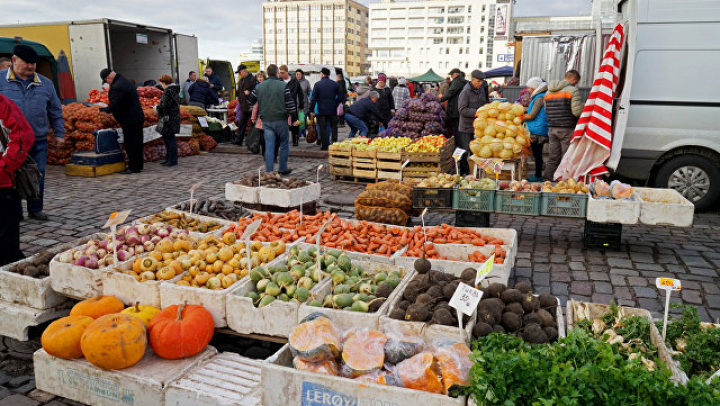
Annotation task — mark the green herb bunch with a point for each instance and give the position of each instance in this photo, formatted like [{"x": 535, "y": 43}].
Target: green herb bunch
[{"x": 701, "y": 348}]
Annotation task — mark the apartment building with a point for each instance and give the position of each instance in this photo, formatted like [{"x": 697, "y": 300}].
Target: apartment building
[
  {"x": 333, "y": 32},
  {"x": 408, "y": 38}
]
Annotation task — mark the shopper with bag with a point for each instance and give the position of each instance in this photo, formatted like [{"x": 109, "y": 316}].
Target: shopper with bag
[
  {"x": 168, "y": 111},
  {"x": 124, "y": 104},
  {"x": 328, "y": 97},
  {"x": 537, "y": 122},
  {"x": 16, "y": 140}
]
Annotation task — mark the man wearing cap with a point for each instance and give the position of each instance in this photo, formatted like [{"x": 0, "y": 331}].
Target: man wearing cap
[
  {"x": 385, "y": 103},
  {"x": 472, "y": 97},
  {"x": 326, "y": 95},
  {"x": 215, "y": 83},
  {"x": 243, "y": 110},
  {"x": 451, "y": 96},
  {"x": 124, "y": 105},
  {"x": 400, "y": 93},
  {"x": 35, "y": 95}
]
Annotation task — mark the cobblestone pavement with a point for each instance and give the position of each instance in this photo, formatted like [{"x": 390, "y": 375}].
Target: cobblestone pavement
[{"x": 550, "y": 251}]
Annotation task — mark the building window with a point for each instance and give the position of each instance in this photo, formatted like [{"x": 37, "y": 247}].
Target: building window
[
  {"x": 461, "y": 51},
  {"x": 455, "y": 30},
  {"x": 437, "y": 30},
  {"x": 438, "y": 20},
  {"x": 437, "y": 40},
  {"x": 467, "y": 50},
  {"x": 436, "y": 10},
  {"x": 327, "y": 7},
  {"x": 456, "y": 10},
  {"x": 456, "y": 20},
  {"x": 454, "y": 40}
]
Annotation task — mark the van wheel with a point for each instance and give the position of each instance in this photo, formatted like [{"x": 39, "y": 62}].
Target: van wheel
[{"x": 695, "y": 177}]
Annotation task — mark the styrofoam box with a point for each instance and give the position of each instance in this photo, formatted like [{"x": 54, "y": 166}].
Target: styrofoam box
[
  {"x": 359, "y": 256},
  {"x": 239, "y": 193},
  {"x": 348, "y": 319},
  {"x": 143, "y": 384},
  {"x": 613, "y": 210},
  {"x": 665, "y": 207},
  {"x": 15, "y": 319},
  {"x": 78, "y": 281},
  {"x": 28, "y": 291},
  {"x": 460, "y": 253},
  {"x": 282, "y": 385},
  {"x": 598, "y": 310},
  {"x": 213, "y": 300},
  {"x": 225, "y": 379},
  {"x": 129, "y": 290},
  {"x": 289, "y": 197}
]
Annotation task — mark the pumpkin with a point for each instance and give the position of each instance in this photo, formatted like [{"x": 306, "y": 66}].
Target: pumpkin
[
  {"x": 62, "y": 337},
  {"x": 315, "y": 340},
  {"x": 181, "y": 331},
  {"x": 144, "y": 312},
  {"x": 400, "y": 347},
  {"x": 363, "y": 353},
  {"x": 114, "y": 341},
  {"x": 97, "y": 306},
  {"x": 325, "y": 367},
  {"x": 420, "y": 372},
  {"x": 455, "y": 364}
]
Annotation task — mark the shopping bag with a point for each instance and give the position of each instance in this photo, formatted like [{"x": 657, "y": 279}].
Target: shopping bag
[{"x": 301, "y": 118}]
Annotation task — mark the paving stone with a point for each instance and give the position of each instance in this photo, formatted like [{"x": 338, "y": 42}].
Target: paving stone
[
  {"x": 710, "y": 288},
  {"x": 626, "y": 272},
  {"x": 603, "y": 287},
  {"x": 652, "y": 305},
  {"x": 4, "y": 378},
  {"x": 560, "y": 277},
  {"x": 691, "y": 285},
  {"x": 558, "y": 259},
  {"x": 581, "y": 288},
  {"x": 691, "y": 296},
  {"x": 642, "y": 257},
  {"x": 695, "y": 261},
  {"x": 41, "y": 396},
  {"x": 602, "y": 298},
  {"x": 618, "y": 280},
  {"x": 559, "y": 288},
  {"x": 619, "y": 263},
  {"x": 523, "y": 263},
  {"x": 27, "y": 388},
  {"x": 18, "y": 400},
  {"x": 703, "y": 271},
  {"x": 559, "y": 268},
  {"x": 19, "y": 381},
  {"x": 599, "y": 276},
  {"x": 541, "y": 267},
  {"x": 637, "y": 281},
  {"x": 650, "y": 293},
  {"x": 713, "y": 301},
  {"x": 577, "y": 266},
  {"x": 540, "y": 279},
  {"x": 4, "y": 392},
  {"x": 523, "y": 272},
  {"x": 648, "y": 267}
]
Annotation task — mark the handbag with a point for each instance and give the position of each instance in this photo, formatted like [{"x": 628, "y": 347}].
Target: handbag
[
  {"x": 340, "y": 110},
  {"x": 27, "y": 176},
  {"x": 253, "y": 140},
  {"x": 160, "y": 126},
  {"x": 311, "y": 135}
]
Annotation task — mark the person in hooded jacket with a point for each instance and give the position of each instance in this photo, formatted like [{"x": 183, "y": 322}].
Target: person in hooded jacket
[
  {"x": 124, "y": 105},
  {"x": 386, "y": 102},
  {"x": 451, "y": 96},
  {"x": 243, "y": 111},
  {"x": 537, "y": 123},
  {"x": 201, "y": 95},
  {"x": 563, "y": 106},
  {"x": 168, "y": 111},
  {"x": 472, "y": 97}
]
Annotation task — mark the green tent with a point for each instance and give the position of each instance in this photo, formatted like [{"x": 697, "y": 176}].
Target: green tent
[
  {"x": 428, "y": 76},
  {"x": 47, "y": 65}
]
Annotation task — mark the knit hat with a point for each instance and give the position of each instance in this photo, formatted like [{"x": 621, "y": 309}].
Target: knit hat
[
  {"x": 402, "y": 81},
  {"x": 382, "y": 77},
  {"x": 534, "y": 82},
  {"x": 26, "y": 53}
]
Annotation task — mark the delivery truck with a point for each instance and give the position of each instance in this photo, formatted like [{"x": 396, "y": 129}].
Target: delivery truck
[{"x": 138, "y": 52}]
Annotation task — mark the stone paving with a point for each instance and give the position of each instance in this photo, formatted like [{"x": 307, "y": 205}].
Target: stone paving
[{"x": 550, "y": 251}]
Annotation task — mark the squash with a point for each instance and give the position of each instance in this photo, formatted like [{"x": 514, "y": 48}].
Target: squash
[
  {"x": 144, "y": 312},
  {"x": 381, "y": 378},
  {"x": 114, "y": 341},
  {"x": 315, "y": 340},
  {"x": 325, "y": 367},
  {"x": 62, "y": 337},
  {"x": 420, "y": 372},
  {"x": 181, "y": 331},
  {"x": 97, "y": 307},
  {"x": 455, "y": 364},
  {"x": 363, "y": 353},
  {"x": 400, "y": 347}
]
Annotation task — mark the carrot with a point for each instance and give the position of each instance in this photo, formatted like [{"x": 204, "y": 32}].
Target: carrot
[{"x": 383, "y": 249}]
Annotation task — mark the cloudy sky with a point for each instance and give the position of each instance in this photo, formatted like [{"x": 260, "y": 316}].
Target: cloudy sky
[{"x": 224, "y": 29}]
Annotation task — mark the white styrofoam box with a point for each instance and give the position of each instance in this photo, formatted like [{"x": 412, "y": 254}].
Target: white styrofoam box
[
  {"x": 239, "y": 193},
  {"x": 613, "y": 210},
  {"x": 359, "y": 256},
  {"x": 226, "y": 379},
  {"x": 143, "y": 384},
  {"x": 457, "y": 262},
  {"x": 283, "y": 385},
  {"x": 289, "y": 197},
  {"x": 347, "y": 320},
  {"x": 129, "y": 290},
  {"x": 15, "y": 319},
  {"x": 213, "y": 300},
  {"x": 666, "y": 207}
]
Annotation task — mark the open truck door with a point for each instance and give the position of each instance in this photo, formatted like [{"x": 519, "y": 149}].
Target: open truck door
[{"x": 225, "y": 72}]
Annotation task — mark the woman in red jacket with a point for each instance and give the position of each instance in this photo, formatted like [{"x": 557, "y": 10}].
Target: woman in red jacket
[{"x": 17, "y": 139}]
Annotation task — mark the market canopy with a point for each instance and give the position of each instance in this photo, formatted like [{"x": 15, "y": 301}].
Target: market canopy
[
  {"x": 429, "y": 76},
  {"x": 499, "y": 72}
]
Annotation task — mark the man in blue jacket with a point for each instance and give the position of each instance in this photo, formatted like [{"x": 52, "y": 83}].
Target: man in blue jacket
[
  {"x": 215, "y": 83},
  {"x": 327, "y": 95},
  {"x": 358, "y": 114},
  {"x": 35, "y": 95}
]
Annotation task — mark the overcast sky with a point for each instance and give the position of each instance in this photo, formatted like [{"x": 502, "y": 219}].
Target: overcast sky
[{"x": 224, "y": 28}]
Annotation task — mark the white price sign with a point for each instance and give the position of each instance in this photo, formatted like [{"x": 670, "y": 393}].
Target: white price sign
[
  {"x": 484, "y": 270},
  {"x": 668, "y": 285},
  {"x": 402, "y": 168},
  {"x": 203, "y": 122},
  {"x": 193, "y": 188},
  {"x": 117, "y": 218},
  {"x": 465, "y": 300},
  {"x": 459, "y": 152}
]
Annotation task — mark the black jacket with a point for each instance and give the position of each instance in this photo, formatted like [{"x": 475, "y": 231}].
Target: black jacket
[
  {"x": 385, "y": 103},
  {"x": 169, "y": 107},
  {"x": 364, "y": 108},
  {"x": 296, "y": 93},
  {"x": 248, "y": 83},
  {"x": 124, "y": 103},
  {"x": 456, "y": 86},
  {"x": 201, "y": 92}
]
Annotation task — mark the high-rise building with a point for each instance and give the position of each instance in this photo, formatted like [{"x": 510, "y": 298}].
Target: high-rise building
[
  {"x": 332, "y": 32},
  {"x": 255, "y": 54},
  {"x": 408, "y": 38}
]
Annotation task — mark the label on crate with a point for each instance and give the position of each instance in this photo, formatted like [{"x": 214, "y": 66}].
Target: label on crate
[
  {"x": 484, "y": 270},
  {"x": 668, "y": 284},
  {"x": 465, "y": 299}
]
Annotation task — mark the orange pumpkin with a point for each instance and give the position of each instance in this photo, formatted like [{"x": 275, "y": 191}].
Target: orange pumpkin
[
  {"x": 363, "y": 353},
  {"x": 181, "y": 331},
  {"x": 420, "y": 372},
  {"x": 97, "y": 306},
  {"x": 114, "y": 341},
  {"x": 455, "y": 364},
  {"x": 62, "y": 337}
]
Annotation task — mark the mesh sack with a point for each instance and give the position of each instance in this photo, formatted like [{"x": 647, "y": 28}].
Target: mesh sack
[
  {"x": 381, "y": 215},
  {"x": 384, "y": 198},
  {"x": 392, "y": 186}
]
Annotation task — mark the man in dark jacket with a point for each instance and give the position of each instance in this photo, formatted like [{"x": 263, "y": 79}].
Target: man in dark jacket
[
  {"x": 326, "y": 95},
  {"x": 563, "y": 106},
  {"x": 385, "y": 103},
  {"x": 17, "y": 139},
  {"x": 201, "y": 95},
  {"x": 243, "y": 110},
  {"x": 124, "y": 105},
  {"x": 297, "y": 94},
  {"x": 305, "y": 87},
  {"x": 343, "y": 88},
  {"x": 357, "y": 114},
  {"x": 472, "y": 97},
  {"x": 456, "y": 86},
  {"x": 215, "y": 83}
]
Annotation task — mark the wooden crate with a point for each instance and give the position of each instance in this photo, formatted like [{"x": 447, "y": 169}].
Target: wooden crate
[
  {"x": 389, "y": 174},
  {"x": 340, "y": 151},
  {"x": 337, "y": 170},
  {"x": 369, "y": 174},
  {"x": 390, "y": 161},
  {"x": 340, "y": 160},
  {"x": 364, "y": 154},
  {"x": 90, "y": 171}
]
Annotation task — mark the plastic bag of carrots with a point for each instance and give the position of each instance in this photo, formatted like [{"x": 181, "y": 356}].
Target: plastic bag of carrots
[{"x": 384, "y": 215}]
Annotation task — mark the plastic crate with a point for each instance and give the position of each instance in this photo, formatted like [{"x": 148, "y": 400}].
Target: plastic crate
[
  {"x": 563, "y": 204},
  {"x": 513, "y": 202},
  {"x": 471, "y": 219},
  {"x": 433, "y": 198},
  {"x": 602, "y": 235},
  {"x": 483, "y": 200}
]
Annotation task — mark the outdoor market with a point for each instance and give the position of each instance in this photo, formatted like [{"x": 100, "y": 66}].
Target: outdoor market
[{"x": 316, "y": 239}]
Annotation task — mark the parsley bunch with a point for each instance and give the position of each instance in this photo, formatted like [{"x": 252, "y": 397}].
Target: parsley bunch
[{"x": 701, "y": 354}]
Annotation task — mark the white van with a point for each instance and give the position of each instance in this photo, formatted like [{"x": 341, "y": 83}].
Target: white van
[{"x": 665, "y": 133}]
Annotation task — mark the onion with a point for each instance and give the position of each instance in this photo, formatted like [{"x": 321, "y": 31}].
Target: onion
[
  {"x": 81, "y": 261},
  {"x": 156, "y": 239},
  {"x": 149, "y": 246},
  {"x": 122, "y": 230},
  {"x": 132, "y": 230},
  {"x": 93, "y": 257},
  {"x": 120, "y": 238},
  {"x": 91, "y": 263},
  {"x": 66, "y": 257},
  {"x": 104, "y": 244},
  {"x": 110, "y": 246},
  {"x": 122, "y": 255},
  {"x": 101, "y": 253}
]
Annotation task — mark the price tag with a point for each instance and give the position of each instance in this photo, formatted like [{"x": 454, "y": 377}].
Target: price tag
[
  {"x": 422, "y": 218},
  {"x": 193, "y": 188},
  {"x": 497, "y": 167},
  {"x": 459, "y": 152},
  {"x": 668, "y": 285},
  {"x": 117, "y": 218},
  {"x": 484, "y": 270},
  {"x": 319, "y": 168},
  {"x": 465, "y": 301},
  {"x": 203, "y": 122}
]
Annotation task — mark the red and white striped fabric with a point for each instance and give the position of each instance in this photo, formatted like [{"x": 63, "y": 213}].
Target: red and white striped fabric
[{"x": 592, "y": 139}]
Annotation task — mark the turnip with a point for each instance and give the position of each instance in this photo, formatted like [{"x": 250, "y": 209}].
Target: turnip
[
  {"x": 76, "y": 255},
  {"x": 81, "y": 261},
  {"x": 133, "y": 240},
  {"x": 104, "y": 244},
  {"x": 66, "y": 257},
  {"x": 91, "y": 263},
  {"x": 156, "y": 239},
  {"x": 110, "y": 246},
  {"x": 101, "y": 263},
  {"x": 131, "y": 251},
  {"x": 139, "y": 249},
  {"x": 120, "y": 238},
  {"x": 149, "y": 246},
  {"x": 92, "y": 257},
  {"x": 101, "y": 252},
  {"x": 122, "y": 255},
  {"x": 90, "y": 249},
  {"x": 143, "y": 229},
  {"x": 162, "y": 232},
  {"x": 122, "y": 230},
  {"x": 131, "y": 230},
  {"x": 144, "y": 239},
  {"x": 109, "y": 259}
]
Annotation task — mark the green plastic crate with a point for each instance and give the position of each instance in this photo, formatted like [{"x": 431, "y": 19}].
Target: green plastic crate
[
  {"x": 483, "y": 200},
  {"x": 432, "y": 198},
  {"x": 512, "y": 202},
  {"x": 563, "y": 204}
]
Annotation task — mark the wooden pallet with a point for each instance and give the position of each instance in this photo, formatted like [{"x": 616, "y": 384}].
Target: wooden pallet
[{"x": 91, "y": 171}]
